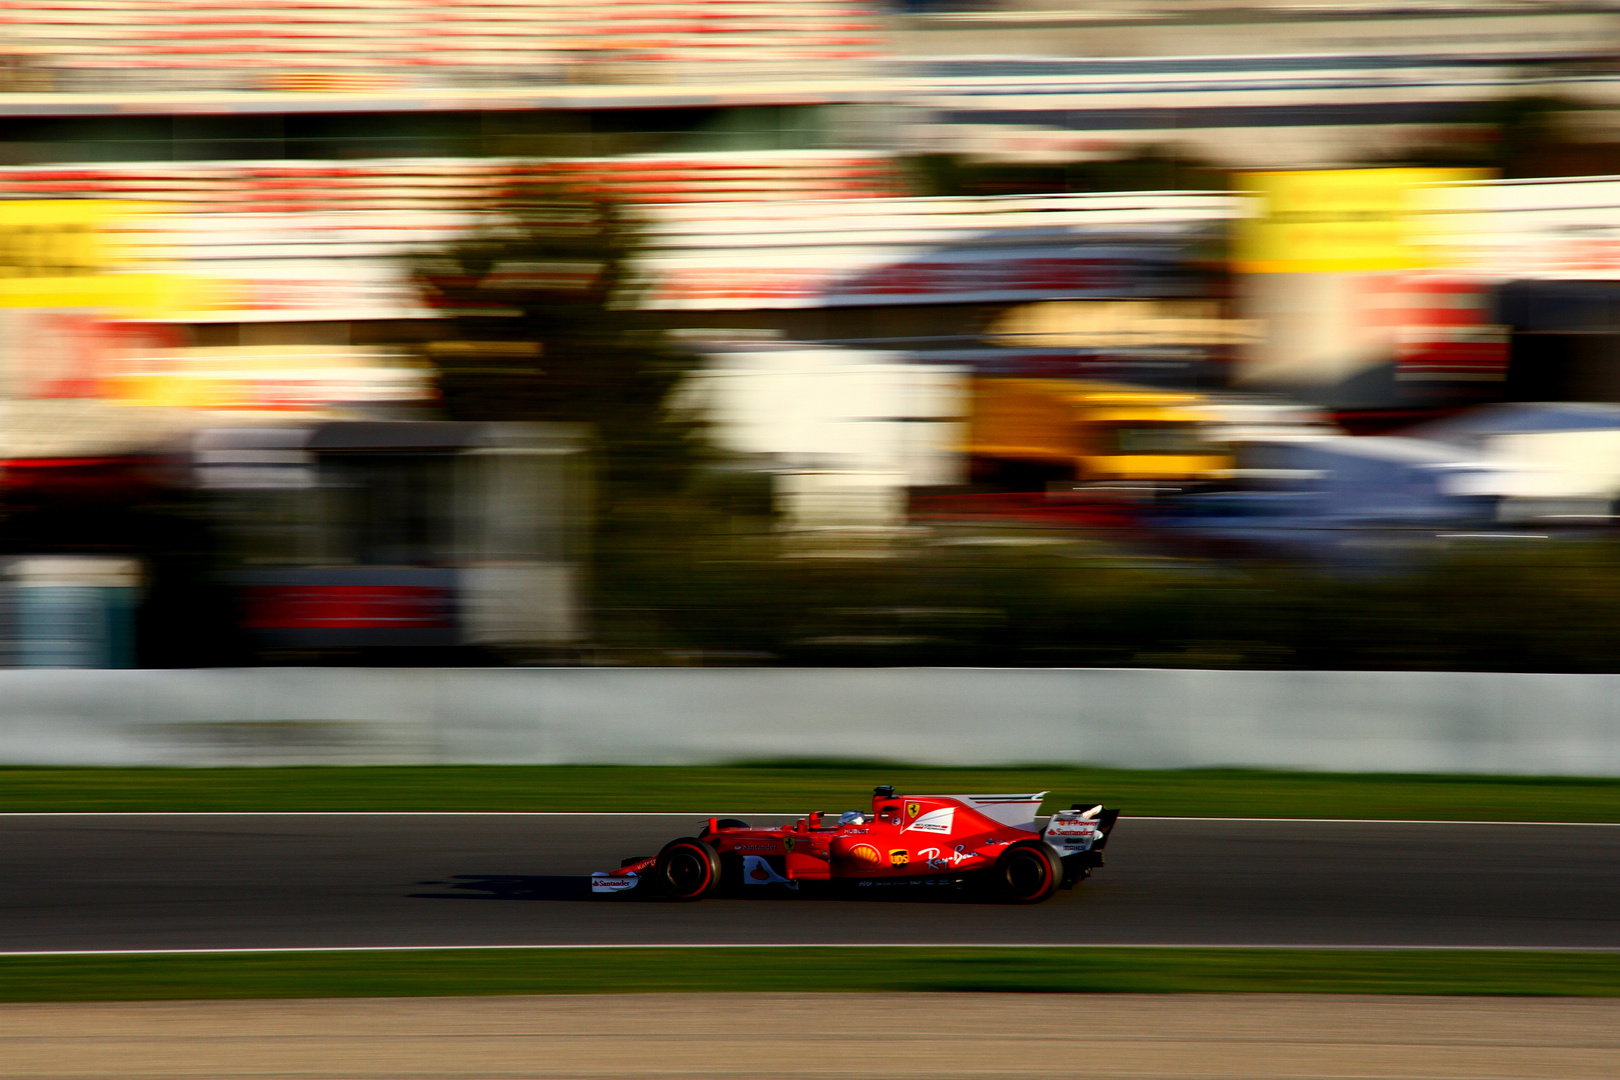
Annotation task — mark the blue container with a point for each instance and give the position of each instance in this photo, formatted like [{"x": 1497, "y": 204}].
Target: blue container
[{"x": 74, "y": 611}]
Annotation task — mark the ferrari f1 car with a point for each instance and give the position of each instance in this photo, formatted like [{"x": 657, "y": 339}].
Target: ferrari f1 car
[{"x": 961, "y": 841}]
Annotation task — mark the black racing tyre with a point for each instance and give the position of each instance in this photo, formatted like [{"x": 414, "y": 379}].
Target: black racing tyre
[
  {"x": 688, "y": 869},
  {"x": 1028, "y": 872}
]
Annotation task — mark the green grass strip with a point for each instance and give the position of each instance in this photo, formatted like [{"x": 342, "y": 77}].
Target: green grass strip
[
  {"x": 799, "y": 787},
  {"x": 758, "y": 969}
]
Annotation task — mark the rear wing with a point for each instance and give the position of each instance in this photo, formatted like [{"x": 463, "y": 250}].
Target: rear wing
[{"x": 1080, "y": 828}]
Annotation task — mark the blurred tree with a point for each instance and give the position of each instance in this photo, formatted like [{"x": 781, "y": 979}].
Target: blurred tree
[
  {"x": 540, "y": 326},
  {"x": 1524, "y": 136}
]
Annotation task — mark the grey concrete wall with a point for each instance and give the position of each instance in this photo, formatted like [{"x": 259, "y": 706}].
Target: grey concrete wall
[{"x": 1356, "y": 721}]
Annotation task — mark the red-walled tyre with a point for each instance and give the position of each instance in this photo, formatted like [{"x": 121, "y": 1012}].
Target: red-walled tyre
[
  {"x": 1028, "y": 872},
  {"x": 688, "y": 869}
]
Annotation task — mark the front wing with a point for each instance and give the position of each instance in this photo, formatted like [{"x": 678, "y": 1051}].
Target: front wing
[{"x": 624, "y": 879}]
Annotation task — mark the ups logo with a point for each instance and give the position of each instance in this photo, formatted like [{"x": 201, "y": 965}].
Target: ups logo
[{"x": 899, "y": 857}]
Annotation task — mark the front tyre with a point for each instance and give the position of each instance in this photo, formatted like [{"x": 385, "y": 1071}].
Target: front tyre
[
  {"x": 687, "y": 869},
  {"x": 1028, "y": 872}
]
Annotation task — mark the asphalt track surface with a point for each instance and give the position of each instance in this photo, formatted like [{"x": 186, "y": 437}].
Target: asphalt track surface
[{"x": 223, "y": 881}]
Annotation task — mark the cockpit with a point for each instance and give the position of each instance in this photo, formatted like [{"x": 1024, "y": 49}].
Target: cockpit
[{"x": 823, "y": 819}]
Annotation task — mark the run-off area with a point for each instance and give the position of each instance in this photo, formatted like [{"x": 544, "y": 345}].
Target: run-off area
[{"x": 810, "y": 1037}]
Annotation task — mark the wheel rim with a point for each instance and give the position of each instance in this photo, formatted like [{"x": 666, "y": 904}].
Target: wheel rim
[
  {"x": 686, "y": 871},
  {"x": 1027, "y": 874}
]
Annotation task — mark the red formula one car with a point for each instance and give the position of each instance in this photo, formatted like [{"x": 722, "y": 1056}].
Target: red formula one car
[{"x": 956, "y": 841}]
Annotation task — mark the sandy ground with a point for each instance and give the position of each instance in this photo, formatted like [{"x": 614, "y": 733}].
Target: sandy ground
[{"x": 790, "y": 1036}]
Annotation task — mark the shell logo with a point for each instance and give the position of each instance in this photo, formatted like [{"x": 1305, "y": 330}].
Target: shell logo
[{"x": 866, "y": 854}]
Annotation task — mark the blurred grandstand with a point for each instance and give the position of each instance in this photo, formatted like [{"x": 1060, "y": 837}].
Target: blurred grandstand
[
  {"x": 851, "y": 211},
  {"x": 1251, "y": 85},
  {"x": 358, "y": 46}
]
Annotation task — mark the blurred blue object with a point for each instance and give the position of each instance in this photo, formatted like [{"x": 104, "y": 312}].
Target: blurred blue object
[
  {"x": 1472, "y": 428},
  {"x": 1385, "y": 478},
  {"x": 1336, "y": 499},
  {"x": 74, "y": 611}
]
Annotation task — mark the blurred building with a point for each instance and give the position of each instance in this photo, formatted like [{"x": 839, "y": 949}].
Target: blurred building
[
  {"x": 356, "y": 538},
  {"x": 207, "y": 213},
  {"x": 119, "y": 46},
  {"x": 1548, "y": 252},
  {"x": 306, "y": 147},
  {"x": 165, "y": 499},
  {"x": 795, "y": 407},
  {"x": 1245, "y": 85}
]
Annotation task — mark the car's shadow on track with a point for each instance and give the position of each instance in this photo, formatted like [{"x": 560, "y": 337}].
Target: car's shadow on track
[
  {"x": 509, "y": 887},
  {"x": 556, "y": 887}
]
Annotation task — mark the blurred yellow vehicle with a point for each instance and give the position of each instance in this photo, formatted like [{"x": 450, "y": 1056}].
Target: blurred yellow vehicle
[{"x": 1026, "y": 432}]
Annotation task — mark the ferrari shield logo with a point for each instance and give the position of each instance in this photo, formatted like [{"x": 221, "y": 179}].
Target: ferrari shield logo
[
  {"x": 913, "y": 809},
  {"x": 899, "y": 857},
  {"x": 788, "y": 841}
]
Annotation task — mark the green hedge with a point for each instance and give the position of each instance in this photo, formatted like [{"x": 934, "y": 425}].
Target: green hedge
[
  {"x": 800, "y": 787},
  {"x": 1055, "y": 969}
]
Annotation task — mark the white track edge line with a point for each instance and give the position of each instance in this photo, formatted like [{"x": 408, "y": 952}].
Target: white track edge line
[{"x": 297, "y": 949}]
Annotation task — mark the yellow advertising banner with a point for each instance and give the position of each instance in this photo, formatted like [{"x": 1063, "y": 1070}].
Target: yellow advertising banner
[
  {"x": 1335, "y": 220},
  {"x": 56, "y": 238},
  {"x": 87, "y": 254}
]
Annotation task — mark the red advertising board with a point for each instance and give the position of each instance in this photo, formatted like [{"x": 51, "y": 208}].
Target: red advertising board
[{"x": 348, "y": 607}]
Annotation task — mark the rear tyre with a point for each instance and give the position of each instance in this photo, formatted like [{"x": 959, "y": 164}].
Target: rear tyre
[
  {"x": 1028, "y": 873},
  {"x": 688, "y": 869}
]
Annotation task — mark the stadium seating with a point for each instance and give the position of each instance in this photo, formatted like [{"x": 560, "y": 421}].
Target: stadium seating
[
  {"x": 450, "y": 184},
  {"x": 362, "y": 45}
]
